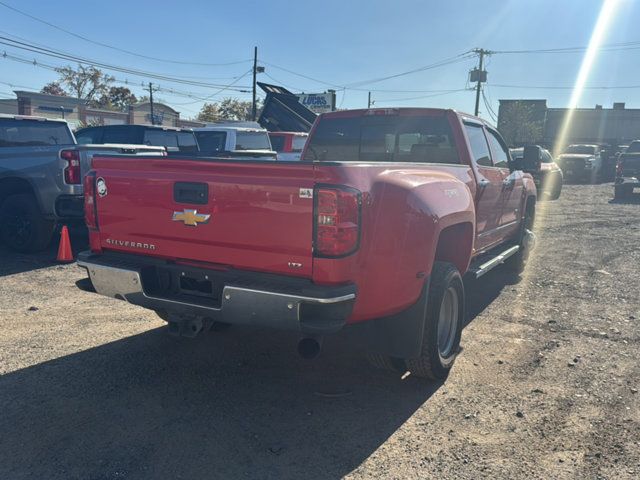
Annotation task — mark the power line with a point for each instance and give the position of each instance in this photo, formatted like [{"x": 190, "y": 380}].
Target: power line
[
  {"x": 458, "y": 58},
  {"x": 73, "y": 58},
  {"x": 490, "y": 110},
  {"x": 446, "y": 92},
  {"x": 216, "y": 93},
  {"x": 302, "y": 75},
  {"x": 354, "y": 85},
  {"x": 128, "y": 52},
  {"x": 193, "y": 95},
  {"x": 556, "y": 87},
  {"x": 608, "y": 47}
]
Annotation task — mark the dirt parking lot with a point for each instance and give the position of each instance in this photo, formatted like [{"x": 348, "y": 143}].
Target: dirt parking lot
[{"x": 546, "y": 385}]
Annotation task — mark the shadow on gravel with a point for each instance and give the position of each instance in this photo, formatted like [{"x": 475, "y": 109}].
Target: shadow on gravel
[
  {"x": 483, "y": 291},
  {"x": 633, "y": 199},
  {"x": 234, "y": 405},
  {"x": 12, "y": 262}
]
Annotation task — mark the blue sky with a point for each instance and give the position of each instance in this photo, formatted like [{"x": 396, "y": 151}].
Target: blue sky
[{"x": 336, "y": 42}]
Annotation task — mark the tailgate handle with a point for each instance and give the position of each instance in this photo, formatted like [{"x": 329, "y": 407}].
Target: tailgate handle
[{"x": 191, "y": 192}]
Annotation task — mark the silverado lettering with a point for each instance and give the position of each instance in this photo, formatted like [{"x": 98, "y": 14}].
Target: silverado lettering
[
  {"x": 132, "y": 244},
  {"x": 405, "y": 202}
]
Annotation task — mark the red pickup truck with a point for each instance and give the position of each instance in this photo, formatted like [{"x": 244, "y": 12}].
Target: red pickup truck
[{"x": 372, "y": 229}]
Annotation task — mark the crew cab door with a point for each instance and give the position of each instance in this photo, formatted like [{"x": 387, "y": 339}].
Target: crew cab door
[
  {"x": 489, "y": 196},
  {"x": 512, "y": 185}
]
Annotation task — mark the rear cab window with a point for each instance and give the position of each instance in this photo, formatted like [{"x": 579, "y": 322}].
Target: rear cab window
[
  {"x": 252, "y": 141},
  {"x": 34, "y": 133},
  {"x": 211, "y": 141},
  {"x": 383, "y": 138},
  {"x": 122, "y": 135},
  {"x": 182, "y": 141}
]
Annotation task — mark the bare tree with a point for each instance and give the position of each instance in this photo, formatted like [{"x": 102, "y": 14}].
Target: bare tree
[{"x": 87, "y": 83}]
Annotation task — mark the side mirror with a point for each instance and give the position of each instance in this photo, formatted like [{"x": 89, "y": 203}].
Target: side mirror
[
  {"x": 531, "y": 159},
  {"x": 516, "y": 164}
]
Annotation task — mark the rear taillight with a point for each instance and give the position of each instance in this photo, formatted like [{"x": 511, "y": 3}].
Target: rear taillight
[
  {"x": 337, "y": 221},
  {"x": 90, "y": 216},
  {"x": 619, "y": 165},
  {"x": 72, "y": 175}
]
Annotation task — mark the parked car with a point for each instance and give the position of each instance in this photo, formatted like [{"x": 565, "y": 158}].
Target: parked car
[
  {"x": 581, "y": 163},
  {"x": 374, "y": 228},
  {"x": 628, "y": 171},
  {"x": 289, "y": 145},
  {"x": 226, "y": 140},
  {"x": 173, "y": 139},
  {"x": 549, "y": 179},
  {"x": 41, "y": 170}
]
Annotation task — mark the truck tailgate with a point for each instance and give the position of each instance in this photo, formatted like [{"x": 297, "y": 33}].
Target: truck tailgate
[{"x": 240, "y": 214}]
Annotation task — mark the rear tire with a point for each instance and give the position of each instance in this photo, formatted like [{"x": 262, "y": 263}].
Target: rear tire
[
  {"x": 442, "y": 325},
  {"x": 22, "y": 226},
  {"x": 557, "y": 189},
  {"x": 385, "y": 362}
]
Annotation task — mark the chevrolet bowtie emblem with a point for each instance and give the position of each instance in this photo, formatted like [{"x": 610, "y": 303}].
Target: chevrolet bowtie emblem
[{"x": 190, "y": 217}]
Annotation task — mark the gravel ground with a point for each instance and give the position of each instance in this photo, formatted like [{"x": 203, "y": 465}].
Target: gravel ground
[{"x": 546, "y": 385}]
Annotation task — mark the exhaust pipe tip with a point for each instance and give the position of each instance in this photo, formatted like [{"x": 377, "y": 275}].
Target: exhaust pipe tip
[{"x": 309, "y": 348}]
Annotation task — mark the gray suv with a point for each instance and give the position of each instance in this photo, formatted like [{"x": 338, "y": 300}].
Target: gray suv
[{"x": 41, "y": 172}]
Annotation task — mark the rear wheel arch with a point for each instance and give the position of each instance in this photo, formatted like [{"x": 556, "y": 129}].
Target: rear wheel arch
[
  {"x": 455, "y": 245},
  {"x": 15, "y": 186}
]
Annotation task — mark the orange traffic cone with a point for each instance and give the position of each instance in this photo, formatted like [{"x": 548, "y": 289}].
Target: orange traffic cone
[{"x": 64, "y": 249}]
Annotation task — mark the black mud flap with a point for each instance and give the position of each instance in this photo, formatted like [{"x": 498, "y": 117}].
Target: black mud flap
[{"x": 398, "y": 335}]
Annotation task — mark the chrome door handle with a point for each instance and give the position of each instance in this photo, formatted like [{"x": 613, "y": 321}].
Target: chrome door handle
[
  {"x": 508, "y": 182},
  {"x": 483, "y": 183}
]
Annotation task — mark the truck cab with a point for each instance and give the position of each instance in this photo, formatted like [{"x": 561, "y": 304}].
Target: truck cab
[{"x": 235, "y": 141}]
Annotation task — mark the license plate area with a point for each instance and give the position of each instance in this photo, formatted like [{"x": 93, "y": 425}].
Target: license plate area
[{"x": 182, "y": 284}]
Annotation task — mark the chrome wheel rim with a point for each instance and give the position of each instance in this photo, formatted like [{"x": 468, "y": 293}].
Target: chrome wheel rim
[{"x": 448, "y": 322}]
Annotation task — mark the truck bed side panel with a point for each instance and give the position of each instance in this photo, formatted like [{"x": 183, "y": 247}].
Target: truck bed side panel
[{"x": 405, "y": 207}]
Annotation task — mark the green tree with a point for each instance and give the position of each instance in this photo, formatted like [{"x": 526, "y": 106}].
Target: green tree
[
  {"x": 235, "y": 109},
  {"x": 518, "y": 124},
  {"x": 116, "y": 98},
  {"x": 87, "y": 83},
  {"x": 53, "y": 88},
  {"x": 209, "y": 113}
]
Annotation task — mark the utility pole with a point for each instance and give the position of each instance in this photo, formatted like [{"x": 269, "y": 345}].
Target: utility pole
[
  {"x": 255, "y": 71},
  {"x": 479, "y": 75},
  {"x": 369, "y": 101},
  {"x": 153, "y": 118}
]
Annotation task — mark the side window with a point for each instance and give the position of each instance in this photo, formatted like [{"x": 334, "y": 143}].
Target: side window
[
  {"x": 89, "y": 135},
  {"x": 479, "y": 146},
  {"x": 500, "y": 155}
]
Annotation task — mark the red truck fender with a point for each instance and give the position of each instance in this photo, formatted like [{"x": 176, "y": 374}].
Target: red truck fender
[{"x": 447, "y": 210}]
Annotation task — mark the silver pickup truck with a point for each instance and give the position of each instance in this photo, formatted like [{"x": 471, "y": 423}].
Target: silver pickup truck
[{"x": 41, "y": 172}]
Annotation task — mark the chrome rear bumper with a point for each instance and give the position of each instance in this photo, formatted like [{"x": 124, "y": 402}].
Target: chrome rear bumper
[{"x": 316, "y": 314}]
